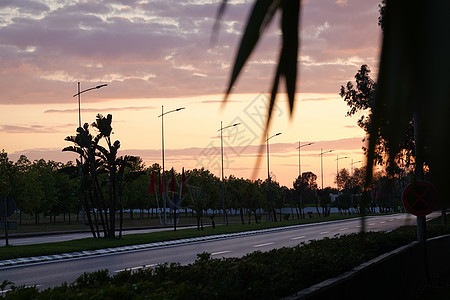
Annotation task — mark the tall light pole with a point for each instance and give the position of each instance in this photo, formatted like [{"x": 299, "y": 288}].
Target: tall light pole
[
  {"x": 337, "y": 171},
  {"x": 359, "y": 161},
  {"x": 79, "y": 125},
  {"x": 79, "y": 98},
  {"x": 268, "y": 169},
  {"x": 162, "y": 150},
  {"x": 321, "y": 162},
  {"x": 267, "y": 144},
  {"x": 300, "y": 173},
  {"x": 299, "y": 166},
  {"x": 221, "y": 153}
]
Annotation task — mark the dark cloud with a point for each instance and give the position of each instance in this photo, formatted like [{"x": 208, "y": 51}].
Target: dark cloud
[
  {"x": 34, "y": 128},
  {"x": 162, "y": 48},
  {"x": 94, "y": 110},
  {"x": 24, "y": 6},
  {"x": 198, "y": 154}
]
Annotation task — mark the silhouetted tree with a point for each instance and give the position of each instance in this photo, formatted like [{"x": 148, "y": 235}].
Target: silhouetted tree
[
  {"x": 99, "y": 160},
  {"x": 306, "y": 187},
  {"x": 361, "y": 100}
]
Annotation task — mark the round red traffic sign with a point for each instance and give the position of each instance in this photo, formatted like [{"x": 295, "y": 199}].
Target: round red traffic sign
[{"x": 419, "y": 198}]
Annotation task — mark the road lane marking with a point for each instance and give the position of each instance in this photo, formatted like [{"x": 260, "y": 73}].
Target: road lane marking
[
  {"x": 220, "y": 252},
  {"x": 390, "y": 220},
  {"x": 136, "y": 268},
  {"x": 325, "y": 232},
  {"x": 299, "y": 237},
  {"x": 262, "y": 245},
  {"x": 382, "y": 222},
  {"x": 371, "y": 224},
  {"x": 345, "y": 228}
]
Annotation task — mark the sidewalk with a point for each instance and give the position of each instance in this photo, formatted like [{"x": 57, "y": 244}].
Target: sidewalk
[{"x": 32, "y": 238}]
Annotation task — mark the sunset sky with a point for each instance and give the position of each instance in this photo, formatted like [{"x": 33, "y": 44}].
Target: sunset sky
[{"x": 154, "y": 53}]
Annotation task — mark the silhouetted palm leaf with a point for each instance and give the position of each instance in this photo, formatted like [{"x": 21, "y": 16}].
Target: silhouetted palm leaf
[
  {"x": 260, "y": 17},
  {"x": 73, "y": 149},
  {"x": 103, "y": 125}
]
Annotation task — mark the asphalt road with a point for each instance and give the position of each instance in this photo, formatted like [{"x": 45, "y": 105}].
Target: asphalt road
[{"x": 49, "y": 274}]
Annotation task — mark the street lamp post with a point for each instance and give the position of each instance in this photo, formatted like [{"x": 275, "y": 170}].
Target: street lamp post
[
  {"x": 321, "y": 162},
  {"x": 221, "y": 153},
  {"x": 359, "y": 161},
  {"x": 337, "y": 171},
  {"x": 268, "y": 169},
  {"x": 79, "y": 125},
  {"x": 300, "y": 173},
  {"x": 299, "y": 166},
  {"x": 162, "y": 150}
]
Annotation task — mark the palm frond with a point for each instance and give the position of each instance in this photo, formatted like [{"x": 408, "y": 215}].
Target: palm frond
[
  {"x": 260, "y": 17},
  {"x": 73, "y": 149}
]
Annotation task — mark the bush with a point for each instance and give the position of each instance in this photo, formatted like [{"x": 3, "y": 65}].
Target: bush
[{"x": 258, "y": 275}]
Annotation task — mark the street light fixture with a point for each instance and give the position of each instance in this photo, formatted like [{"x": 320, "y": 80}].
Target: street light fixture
[
  {"x": 321, "y": 162},
  {"x": 221, "y": 153},
  {"x": 300, "y": 171},
  {"x": 79, "y": 98},
  {"x": 268, "y": 170},
  {"x": 162, "y": 143},
  {"x": 79, "y": 125},
  {"x": 359, "y": 161},
  {"x": 267, "y": 144},
  {"x": 337, "y": 171}
]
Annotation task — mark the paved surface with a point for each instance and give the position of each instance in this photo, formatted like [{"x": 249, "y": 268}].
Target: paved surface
[
  {"x": 48, "y": 237},
  {"x": 48, "y": 271}
]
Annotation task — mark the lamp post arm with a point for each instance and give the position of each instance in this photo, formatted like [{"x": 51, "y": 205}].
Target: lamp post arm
[
  {"x": 232, "y": 125},
  {"x": 90, "y": 89},
  {"x": 171, "y": 111}
]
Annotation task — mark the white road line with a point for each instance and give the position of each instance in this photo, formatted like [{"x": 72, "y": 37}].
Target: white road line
[
  {"x": 299, "y": 237},
  {"x": 220, "y": 252},
  {"x": 325, "y": 232},
  {"x": 345, "y": 228},
  {"x": 382, "y": 222},
  {"x": 136, "y": 268},
  {"x": 390, "y": 220},
  {"x": 262, "y": 245},
  {"x": 371, "y": 224}
]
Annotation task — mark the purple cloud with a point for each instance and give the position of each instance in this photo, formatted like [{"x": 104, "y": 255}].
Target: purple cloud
[{"x": 162, "y": 48}]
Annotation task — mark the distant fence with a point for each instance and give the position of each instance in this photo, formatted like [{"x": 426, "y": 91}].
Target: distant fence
[{"x": 400, "y": 274}]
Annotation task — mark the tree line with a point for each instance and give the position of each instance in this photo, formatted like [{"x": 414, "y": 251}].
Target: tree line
[{"x": 53, "y": 189}]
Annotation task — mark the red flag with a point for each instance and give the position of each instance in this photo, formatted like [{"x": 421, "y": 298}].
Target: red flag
[
  {"x": 151, "y": 188},
  {"x": 172, "y": 184},
  {"x": 160, "y": 184},
  {"x": 183, "y": 183}
]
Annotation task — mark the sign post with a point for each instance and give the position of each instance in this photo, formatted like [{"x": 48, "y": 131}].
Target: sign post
[
  {"x": 419, "y": 198},
  {"x": 7, "y": 209}
]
